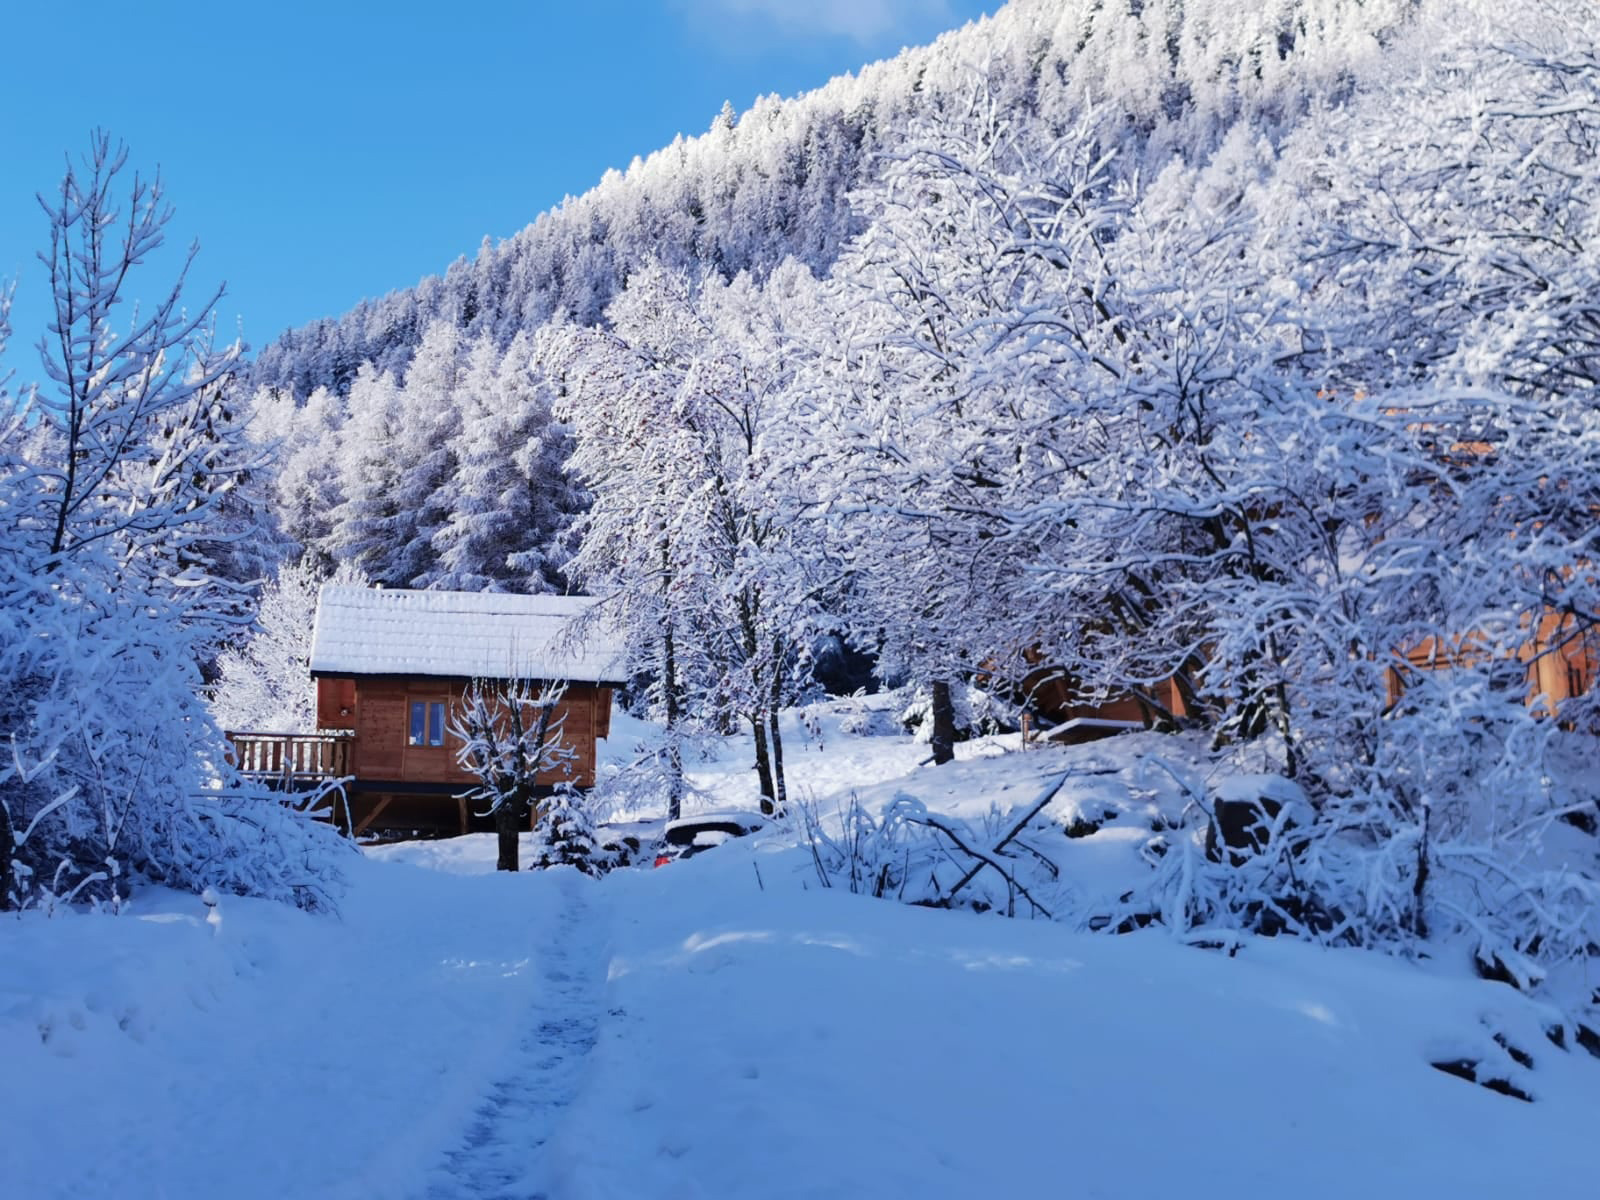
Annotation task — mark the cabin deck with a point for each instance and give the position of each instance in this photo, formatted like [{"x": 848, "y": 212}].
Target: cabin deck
[
  {"x": 293, "y": 762},
  {"x": 305, "y": 762}
]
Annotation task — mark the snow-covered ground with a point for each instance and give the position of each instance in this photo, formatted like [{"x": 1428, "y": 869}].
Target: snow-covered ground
[{"x": 726, "y": 1027}]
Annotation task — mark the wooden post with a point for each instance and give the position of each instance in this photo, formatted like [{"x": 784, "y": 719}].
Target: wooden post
[
  {"x": 1024, "y": 731},
  {"x": 377, "y": 810}
]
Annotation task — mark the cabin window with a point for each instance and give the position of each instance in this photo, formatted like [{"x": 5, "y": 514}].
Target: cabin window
[{"x": 427, "y": 723}]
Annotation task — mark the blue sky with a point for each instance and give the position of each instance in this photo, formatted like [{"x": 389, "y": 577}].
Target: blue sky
[{"x": 325, "y": 151}]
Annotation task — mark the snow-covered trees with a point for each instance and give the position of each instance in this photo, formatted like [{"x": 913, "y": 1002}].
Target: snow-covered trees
[
  {"x": 774, "y": 184},
  {"x": 1171, "y": 425},
  {"x": 1474, "y": 273},
  {"x": 424, "y": 445},
  {"x": 509, "y": 498},
  {"x": 1251, "y": 351},
  {"x": 450, "y": 476},
  {"x": 672, "y": 412},
  {"x": 1435, "y": 508},
  {"x": 930, "y": 417},
  {"x": 299, "y": 440},
  {"x": 369, "y": 529},
  {"x": 395, "y": 457},
  {"x": 111, "y": 482},
  {"x": 264, "y": 684}
]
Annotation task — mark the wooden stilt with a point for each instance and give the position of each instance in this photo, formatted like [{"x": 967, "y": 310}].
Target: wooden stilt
[{"x": 377, "y": 810}]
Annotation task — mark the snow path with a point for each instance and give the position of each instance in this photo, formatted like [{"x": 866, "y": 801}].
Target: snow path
[{"x": 501, "y": 1156}]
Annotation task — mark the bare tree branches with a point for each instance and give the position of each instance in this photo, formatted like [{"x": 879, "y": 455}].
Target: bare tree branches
[{"x": 510, "y": 735}]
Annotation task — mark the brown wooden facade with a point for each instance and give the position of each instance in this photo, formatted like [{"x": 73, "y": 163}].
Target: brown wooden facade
[
  {"x": 1053, "y": 700},
  {"x": 404, "y": 782},
  {"x": 1562, "y": 660}
]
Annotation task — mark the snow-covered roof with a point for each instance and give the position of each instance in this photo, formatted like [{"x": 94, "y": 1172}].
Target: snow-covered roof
[{"x": 491, "y": 635}]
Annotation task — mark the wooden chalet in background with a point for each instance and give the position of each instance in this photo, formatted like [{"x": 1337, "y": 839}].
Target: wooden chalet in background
[{"x": 389, "y": 667}]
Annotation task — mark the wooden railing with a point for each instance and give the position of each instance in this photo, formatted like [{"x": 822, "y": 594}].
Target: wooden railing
[{"x": 292, "y": 760}]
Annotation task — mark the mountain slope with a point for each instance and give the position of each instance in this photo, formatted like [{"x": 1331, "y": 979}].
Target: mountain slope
[{"x": 775, "y": 182}]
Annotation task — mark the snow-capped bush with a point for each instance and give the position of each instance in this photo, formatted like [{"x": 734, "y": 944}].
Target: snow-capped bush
[
  {"x": 862, "y": 715},
  {"x": 1452, "y": 833},
  {"x": 112, "y": 483},
  {"x": 918, "y": 856},
  {"x": 564, "y": 834},
  {"x": 114, "y": 767},
  {"x": 977, "y": 713}
]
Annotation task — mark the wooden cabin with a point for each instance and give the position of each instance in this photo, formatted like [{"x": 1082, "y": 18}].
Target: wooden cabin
[
  {"x": 1054, "y": 707},
  {"x": 1052, "y": 699},
  {"x": 389, "y": 667}
]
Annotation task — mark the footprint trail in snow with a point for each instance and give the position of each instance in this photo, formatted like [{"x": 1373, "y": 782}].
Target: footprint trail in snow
[{"x": 502, "y": 1156}]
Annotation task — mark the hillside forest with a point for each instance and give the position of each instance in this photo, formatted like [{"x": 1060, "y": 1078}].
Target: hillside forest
[{"x": 1238, "y": 359}]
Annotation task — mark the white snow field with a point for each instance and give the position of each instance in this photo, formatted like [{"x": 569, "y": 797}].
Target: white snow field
[{"x": 723, "y": 1027}]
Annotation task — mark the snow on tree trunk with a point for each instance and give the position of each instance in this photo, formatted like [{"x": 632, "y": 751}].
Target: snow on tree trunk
[{"x": 758, "y": 731}]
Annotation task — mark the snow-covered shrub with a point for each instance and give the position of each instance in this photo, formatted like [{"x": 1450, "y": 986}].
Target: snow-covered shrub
[
  {"x": 564, "y": 834},
  {"x": 116, "y": 768},
  {"x": 920, "y": 857},
  {"x": 246, "y": 840},
  {"x": 1451, "y": 833},
  {"x": 853, "y": 850},
  {"x": 977, "y": 713},
  {"x": 861, "y": 715}
]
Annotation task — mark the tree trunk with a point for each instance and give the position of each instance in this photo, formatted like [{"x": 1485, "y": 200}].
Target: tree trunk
[
  {"x": 509, "y": 818},
  {"x": 1419, "y": 920},
  {"x": 780, "y": 789},
  {"x": 8, "y": 847},
  {"x": 944, "y": 723},
  {"x": 763, "y": 763},
  {"x": 669, "y": 688},
  {"x": 750, "y": 644}
]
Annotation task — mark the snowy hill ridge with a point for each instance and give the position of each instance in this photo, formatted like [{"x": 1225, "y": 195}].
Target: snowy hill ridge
[{"x": 775, "y": 182}]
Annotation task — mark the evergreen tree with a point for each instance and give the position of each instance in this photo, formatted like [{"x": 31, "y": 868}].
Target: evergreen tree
[
  {"x": 369, "y": 528},
  {"x": 510, "y": 499},
  {"x": 564, "y": 834}
]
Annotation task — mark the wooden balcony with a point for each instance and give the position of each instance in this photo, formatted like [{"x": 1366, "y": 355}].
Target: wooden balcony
[{"x": 292, "y": 762}]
